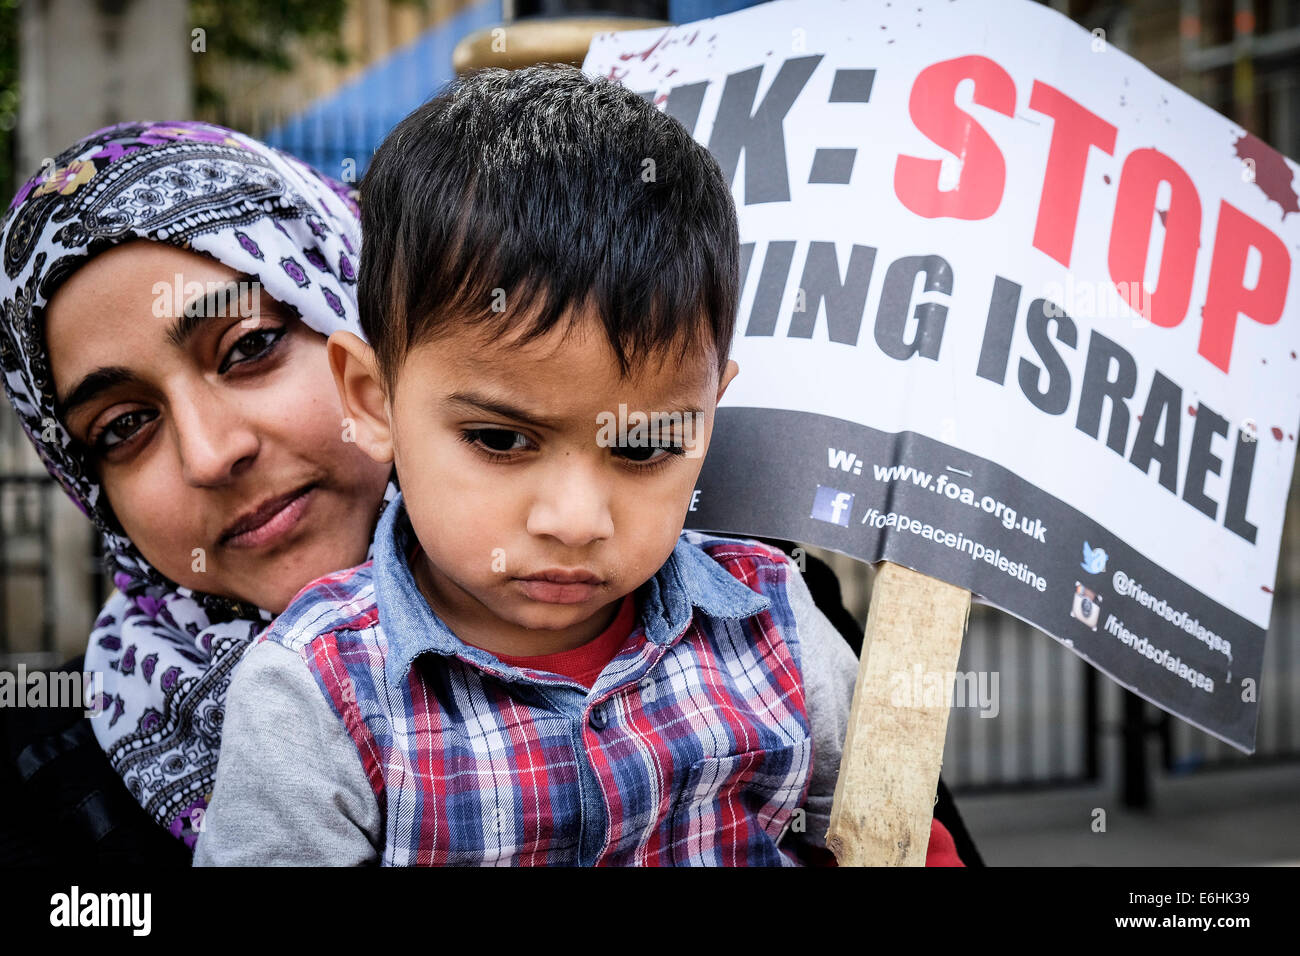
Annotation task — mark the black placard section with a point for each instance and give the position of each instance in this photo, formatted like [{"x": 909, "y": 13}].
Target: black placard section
[{"x": 968, "y": 521}]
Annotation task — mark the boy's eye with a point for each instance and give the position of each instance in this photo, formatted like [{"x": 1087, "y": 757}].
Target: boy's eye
[
  {"x": 646, "y": 453},
  {"x": 504, "y": 442},
  {"x": 650, "y": 455},
  {"x": 497, "y": 440}
]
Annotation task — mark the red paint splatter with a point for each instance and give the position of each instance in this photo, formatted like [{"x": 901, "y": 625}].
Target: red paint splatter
[
  {"x": 1265, "y": 587},
  {"x": 1272, "y": 174},
  {"x": 1277, "y": 433},
  {"x": 1162, "y": 213},
  {"x": 1106, "y": 179},
  {"x": 1191, "y": 410},
  {"x": 1293, "y": 354},
  {"x": 644, "y": 54}
]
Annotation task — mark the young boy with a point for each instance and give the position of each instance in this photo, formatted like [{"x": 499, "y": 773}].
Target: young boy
[{"x": 539, "y": 666}]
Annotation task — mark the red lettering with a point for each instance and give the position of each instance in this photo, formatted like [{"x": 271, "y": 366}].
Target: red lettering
[
  {"x": 1226, "y": 295},
  {"x": 1074, "y": 130},
  {"x": 932, "y": 105},
  {"x": 1130, "y": 234}
]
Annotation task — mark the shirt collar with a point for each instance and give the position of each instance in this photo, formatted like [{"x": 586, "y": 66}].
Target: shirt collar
[{"x": 690, "y": 578}]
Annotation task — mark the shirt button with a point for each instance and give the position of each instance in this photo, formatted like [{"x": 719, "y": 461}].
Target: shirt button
[{"x": 597, "y": 718}]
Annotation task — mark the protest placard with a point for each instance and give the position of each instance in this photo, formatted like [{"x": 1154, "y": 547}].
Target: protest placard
[{"x": 1016, "y": 313}]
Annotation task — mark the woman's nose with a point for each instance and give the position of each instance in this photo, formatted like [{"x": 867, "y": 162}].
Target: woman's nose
[
  {"x": 214, "y": 438},
  {"x": 572, "y": 506}
]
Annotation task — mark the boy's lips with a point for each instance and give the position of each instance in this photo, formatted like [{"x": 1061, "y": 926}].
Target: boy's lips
[
  {"x": 561, "y": 585},
  {"x": 564, "y": 576}
]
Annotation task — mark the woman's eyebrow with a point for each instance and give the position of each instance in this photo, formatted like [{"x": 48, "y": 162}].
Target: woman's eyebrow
[
  {"x": 215, "y": 303},
  {"x": 91, "y": 385}
]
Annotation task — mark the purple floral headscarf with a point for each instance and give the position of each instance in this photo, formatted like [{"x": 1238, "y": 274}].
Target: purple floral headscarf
[{"x": 166, "y": 651}]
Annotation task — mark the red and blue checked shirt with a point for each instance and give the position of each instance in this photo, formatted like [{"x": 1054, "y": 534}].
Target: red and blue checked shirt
[{"x": 692, "y": 747}]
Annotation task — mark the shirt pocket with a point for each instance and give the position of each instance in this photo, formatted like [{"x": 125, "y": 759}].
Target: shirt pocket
[{"x": 733, "y": 810}]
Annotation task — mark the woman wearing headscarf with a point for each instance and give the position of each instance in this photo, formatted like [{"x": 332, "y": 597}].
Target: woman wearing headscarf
[
  {"x": 206, "y": 446},
  {"x": 207, "y": 449}
]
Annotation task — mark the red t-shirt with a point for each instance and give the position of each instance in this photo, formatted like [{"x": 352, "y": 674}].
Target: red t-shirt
[{"x": 584, "y": 663}]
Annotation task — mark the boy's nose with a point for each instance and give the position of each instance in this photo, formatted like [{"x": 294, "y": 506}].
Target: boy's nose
[{"x": 572, "y": 507}]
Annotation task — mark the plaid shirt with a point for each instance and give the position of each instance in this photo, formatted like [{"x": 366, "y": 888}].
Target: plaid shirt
[{"x": 692, "y": 747}]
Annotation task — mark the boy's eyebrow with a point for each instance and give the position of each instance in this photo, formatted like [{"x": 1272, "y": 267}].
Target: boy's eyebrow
[
  {"x": 506, "y": 410},
  {"x": 682, "y": 410},
  {"x": 497, "y": 407}
]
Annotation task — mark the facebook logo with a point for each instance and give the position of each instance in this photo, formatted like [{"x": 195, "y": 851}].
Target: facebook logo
[{"x": 832, "y": 505}]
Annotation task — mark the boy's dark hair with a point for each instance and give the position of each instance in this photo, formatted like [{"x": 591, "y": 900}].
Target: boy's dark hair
[{"x": 559, "y": 190}]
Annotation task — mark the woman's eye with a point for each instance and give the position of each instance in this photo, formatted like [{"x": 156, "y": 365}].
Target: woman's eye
[
  {"x": 497, "y": 440},
  {"x": 122, "y": 428},
  {"x": 252, "y": 346}
]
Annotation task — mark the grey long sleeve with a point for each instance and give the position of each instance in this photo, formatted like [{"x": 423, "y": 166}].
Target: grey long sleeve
[
  {"x": 830, "y": 671},
  {"x": 290, "y": 787}
]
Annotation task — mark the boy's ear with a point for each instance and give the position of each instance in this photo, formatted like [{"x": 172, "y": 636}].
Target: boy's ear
[
  {"x": 728, "y": 373},
  {"x": 366, "y": 418}
]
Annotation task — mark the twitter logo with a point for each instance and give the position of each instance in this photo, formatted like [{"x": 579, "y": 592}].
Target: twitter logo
[{"x": 1094, "y": 559}]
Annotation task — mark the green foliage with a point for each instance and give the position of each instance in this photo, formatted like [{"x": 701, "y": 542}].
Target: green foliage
[
  {"x": 8, "y": 95},
  {"x": 259, "y": 32}
]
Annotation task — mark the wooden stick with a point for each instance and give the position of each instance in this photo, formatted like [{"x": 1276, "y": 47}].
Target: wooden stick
[{"x": 889, "y": 773}]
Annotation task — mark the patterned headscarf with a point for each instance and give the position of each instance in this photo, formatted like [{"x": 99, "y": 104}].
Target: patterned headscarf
[{"x": 166, "y": 651}]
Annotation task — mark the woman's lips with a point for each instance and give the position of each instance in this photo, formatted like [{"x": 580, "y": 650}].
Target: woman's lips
[{"x": 276, "y": 526}]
